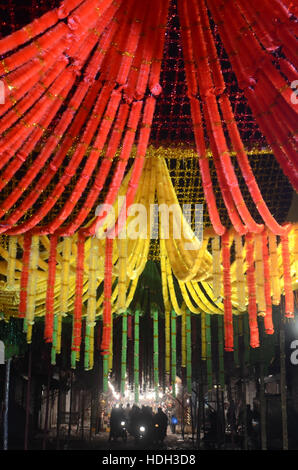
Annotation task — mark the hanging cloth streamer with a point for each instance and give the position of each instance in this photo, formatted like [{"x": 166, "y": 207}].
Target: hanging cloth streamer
[{"x": 136, "y": 356}]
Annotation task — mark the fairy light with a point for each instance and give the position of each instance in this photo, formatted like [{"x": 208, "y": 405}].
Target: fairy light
[{"x": 115, "y": 394}]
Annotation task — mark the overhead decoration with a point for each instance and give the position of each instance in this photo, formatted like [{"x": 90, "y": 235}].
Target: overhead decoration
[
  {"x": 86, "y": 280},
  {"x": 81, "y": 86}
]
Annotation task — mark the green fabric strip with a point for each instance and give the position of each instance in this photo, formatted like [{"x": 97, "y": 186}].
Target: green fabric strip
[
  {"x": 136, "y": 355},
  {"x": 87, "y": 348},
  {"x": 54, "y": 343},
  {"x": 188, "y": 352},
  {"x": 221, "y": 368},
  {"x": 174, "y": 353},
  {"x": 124, "y": 353},
  {"x": 209, "y": 351},
  {"x": 236, "y": 340},
  {"x": 155, "y": 352}
]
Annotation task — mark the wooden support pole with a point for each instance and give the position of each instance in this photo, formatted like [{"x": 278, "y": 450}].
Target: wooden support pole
[{"x": 28, "y": 395}]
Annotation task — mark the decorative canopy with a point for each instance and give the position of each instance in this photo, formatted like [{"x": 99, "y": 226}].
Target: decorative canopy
[{"x": 83, "y": 84}]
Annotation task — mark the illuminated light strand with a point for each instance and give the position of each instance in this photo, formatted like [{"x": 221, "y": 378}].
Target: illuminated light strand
[
  {"x": 216, "y": 272},
  {"x": 54, "y": 340},
  {"x": 31, "y": 286},
  {"x": 246, "y": 65},
  {"x": 228, "y": 317},
  {"x": 68, "y": 173},
  {"x": 259, "y": 270},
  {"x": 167, "y": 306},
  {"x": 64, "y": 121},
  {"x": 28, "y": 147},
  {"x": 281, "y": 35},
  {"x": 147, "y": 118},
  {"x": 296, "y": 250},
  {"x": 246, "y": 168},
  {"x": 253, "y": 19},
  {"x": 162, "y": 9},
  {"x": 111, "y": 350},
  {"x": 197, "y": 120},
  {"x": 107, "y": 314},
  {"x": 18, "y": 134},
  {"x": 77, "y": 94},
  {"x": 64, "y": 292},
  {"x": 284, "y": 129},
  {"x": 26, "y": 77},
  {"x": 274, "y": 274},
  {"x": 24, "y": 275},
  {"x": 84, "y": 50},
  {"x": 11, "y": 263},
  {"x": 122, "y": 248},
  {"x": 25, "y": 54},
  {"x": 222, "y": 159},
  {"x": 37, "y": 27},
  {"x": 49, "y": 313},
  {"x": 282, "y": 134},
  {"x": 288, "y": 291},
  {"x": 240, "y": 276},
  {"x": 54, "y": 165},
  {"x": 103, "y": 171},
  {"x": 129, "y": 137},
  {"x": 132, "y": 41},
  {"x": 138, "y": 165},
  {"x": 91, "y": 306},
  {"x": 77, "y": 315},
  {"x": 112, "y": 62},
  {"x": 90, "y": 163},
  {"x": 251, "y": 284},
  {"x": 277, "y": 147},
  {"x": 131, "y": 92},
  {"x": 40, "y": 84},
  {"x": 268, "y": 323}
]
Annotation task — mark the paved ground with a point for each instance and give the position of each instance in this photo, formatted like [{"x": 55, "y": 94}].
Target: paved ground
[
  {"x": 101, "y": 442},
  {"x": 172, "y": 441}
]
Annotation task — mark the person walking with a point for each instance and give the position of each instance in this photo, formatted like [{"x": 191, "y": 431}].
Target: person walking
[{"x": 174, "y": 422}]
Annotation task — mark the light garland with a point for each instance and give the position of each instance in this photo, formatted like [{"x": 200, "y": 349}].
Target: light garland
[
  {"x": 31, "y": 293},
  {"x": 240, "y": 276},
  {"x": 259, "y": 270},
  {"x": 274, "y": 274},
  {"x": 252, "y": 305}
]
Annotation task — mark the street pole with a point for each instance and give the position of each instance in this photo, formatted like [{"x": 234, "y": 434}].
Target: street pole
[{"x": 5, "y": 424}]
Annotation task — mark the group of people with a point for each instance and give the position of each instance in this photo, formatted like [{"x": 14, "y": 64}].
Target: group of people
[{"x": 154, "y": 425}]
